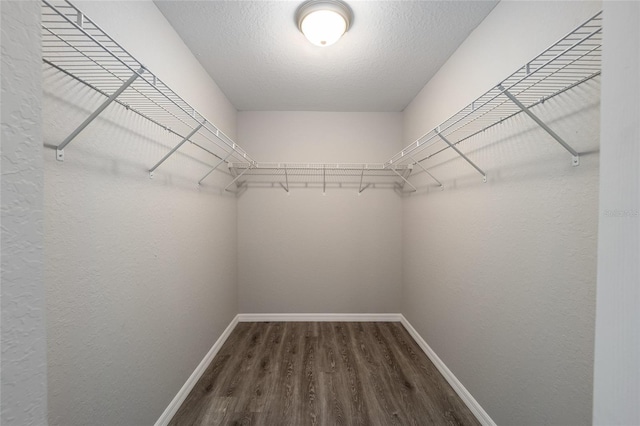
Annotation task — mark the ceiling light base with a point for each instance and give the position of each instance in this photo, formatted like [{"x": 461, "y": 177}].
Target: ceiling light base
[{"x": 323, "y": 22}]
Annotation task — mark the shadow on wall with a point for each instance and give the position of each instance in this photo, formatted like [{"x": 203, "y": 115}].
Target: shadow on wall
[
  {"x": 515, "y": 149},
  {"x": 120, "y": 143}
]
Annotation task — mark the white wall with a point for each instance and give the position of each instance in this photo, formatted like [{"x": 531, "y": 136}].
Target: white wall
[
  {"x": 308, "y": 252},
  {"x": 140, "y": 273},
  {"x": 499, "y": 278},
  {"x": 617, "y": 350},
  {"x": 23, "y": 368}
]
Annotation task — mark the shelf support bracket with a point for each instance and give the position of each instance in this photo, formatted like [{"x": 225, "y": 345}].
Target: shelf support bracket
[
  {"x": 286, "y": 179},
  {"x": 576, "y": 157},
  {"x": 361, "y": 179},
  {"x": 175, "y": 148},
  {"x": 427, "y": 172},
  {"x": 404, "y": 179},
  {"x": 215, "y": 167},
  {"x": 226, "y": 188},
  {"x": 324, "y": 179},
  {"x": 85, "y": 123},
  {"x": 452, "y": 146},
  {"x": 286, "y": 176}
]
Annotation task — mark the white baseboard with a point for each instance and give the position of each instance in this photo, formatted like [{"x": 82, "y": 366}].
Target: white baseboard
[
  {"x": 182, "y": 394},
  {"x": 462, "y": 392},
  {"x": 319, "y": 317}
]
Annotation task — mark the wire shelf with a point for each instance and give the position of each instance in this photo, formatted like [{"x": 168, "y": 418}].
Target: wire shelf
[
  {"x": 361, "y": 174},
  {"x": 573, "y": 60},
  {"x": 73, "y": 44}
]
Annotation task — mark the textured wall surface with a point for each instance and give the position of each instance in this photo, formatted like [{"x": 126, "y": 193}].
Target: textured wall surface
[
  {"x": 140, "y": 273},
  {"x": 23, "y": 367},
  {"x": 499, "y": 278},
  {"x": 308, "y": 252},
  {"x": 617, "y": 353}
]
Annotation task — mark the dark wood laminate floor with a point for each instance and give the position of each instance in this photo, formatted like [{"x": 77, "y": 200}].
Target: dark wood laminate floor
[{"x": 322, "y": 374}]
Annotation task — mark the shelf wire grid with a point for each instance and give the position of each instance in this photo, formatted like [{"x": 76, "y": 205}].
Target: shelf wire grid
[
  {"x": 348, "y": 173},
  {"x": 73, "y": 44},
  {"x": 76, "y": 46},
  {"x": 573, "y": 60}
]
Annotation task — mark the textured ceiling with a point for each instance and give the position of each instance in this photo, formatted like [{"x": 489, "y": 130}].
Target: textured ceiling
[{"x": 255, "y": 53}]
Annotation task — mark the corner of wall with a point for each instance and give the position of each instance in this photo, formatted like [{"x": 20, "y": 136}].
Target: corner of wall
[
  {"x": 617, "y": 346},
  {"x": 23, "y": 338},
  {"x": 504, "y": 230}
]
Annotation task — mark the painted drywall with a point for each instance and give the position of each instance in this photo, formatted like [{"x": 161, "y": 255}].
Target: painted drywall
[
  {"x": 305, "y": 252},
  {"x": 499, "y": 277},
  {"x": 617, "y": 346},
  {"x": 23, "y": 367},
  {"x": 140, "y": 273}
]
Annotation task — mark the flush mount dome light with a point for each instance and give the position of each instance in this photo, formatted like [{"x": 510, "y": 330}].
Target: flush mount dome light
[{"x": 323, "y": 22}]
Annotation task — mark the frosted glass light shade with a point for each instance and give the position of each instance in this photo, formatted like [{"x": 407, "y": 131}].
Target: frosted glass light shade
[
  {"x": 323, "y": 22},
  {"x": 323, "y": 27}
]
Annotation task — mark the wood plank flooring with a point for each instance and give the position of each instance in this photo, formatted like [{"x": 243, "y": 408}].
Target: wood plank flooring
[{"x": 322, "y": 374}]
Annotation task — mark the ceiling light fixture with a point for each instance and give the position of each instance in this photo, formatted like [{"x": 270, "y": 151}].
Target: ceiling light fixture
[{"x": 323, "y": 22}]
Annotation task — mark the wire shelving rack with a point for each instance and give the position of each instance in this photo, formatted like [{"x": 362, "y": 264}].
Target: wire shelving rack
[
  {"x": 573, "y": 60},
  {"x": 74, "y": 45},
  {"x": 358, "y": 175}
]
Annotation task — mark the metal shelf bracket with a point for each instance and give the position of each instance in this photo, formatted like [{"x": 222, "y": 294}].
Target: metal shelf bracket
[
  {"x": 324, "y": 180},
  {"x": 175, "y": 148},
  {"x": 95, "y": 114},
  {"x": 455, "y": 148},
  {"x": 361, "y": 188},
  {"x": 74, "y": 45},
  {"x": 286, "y": 178},
  {"x": 575, "y": 161},
  {"x": 573, "y": 60},
  {"x": 413, "y": 188},
  {"x": 427, "y": 172},
  {"x": 226, "y": 188},
  {"x": 222, "y": 160}
]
